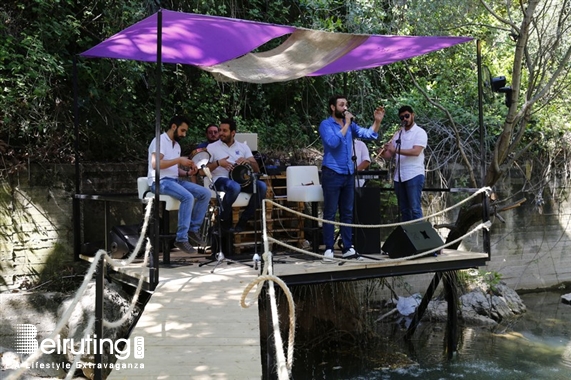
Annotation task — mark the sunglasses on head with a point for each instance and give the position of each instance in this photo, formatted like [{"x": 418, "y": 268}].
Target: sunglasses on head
[{"x": 406, "y": 116}]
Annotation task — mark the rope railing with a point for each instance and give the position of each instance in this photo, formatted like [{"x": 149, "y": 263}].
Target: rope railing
[
  {"x": 101, "y": 256},
  {"x": 486, "y": 190}
]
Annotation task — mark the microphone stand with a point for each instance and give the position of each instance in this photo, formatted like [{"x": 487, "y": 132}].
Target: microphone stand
[
  {"x": 257, "y": 257},
  {"x": 218, "y": 257},
  {"x": 355, "y": 191},
  {"x": 398, "y": 147}
]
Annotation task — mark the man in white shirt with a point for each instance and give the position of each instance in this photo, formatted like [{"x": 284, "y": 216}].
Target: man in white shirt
[
  {"x": 193, "y": 198},
  {"x": 363, "y": 160},
  {"x": 225, "y": 154},
  {"x": 407, "y": 147}
]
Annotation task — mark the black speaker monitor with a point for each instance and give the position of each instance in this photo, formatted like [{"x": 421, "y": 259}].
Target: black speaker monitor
[
  {"x": 412, "y": 239},
  {"x": 122, "y": 240},
  {"x": 367, "y": 211}
]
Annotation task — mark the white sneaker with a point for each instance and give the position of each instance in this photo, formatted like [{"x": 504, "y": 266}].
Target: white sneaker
[
  {"x": 352, "y": 254},
  {"x": 328, "y": 256}
]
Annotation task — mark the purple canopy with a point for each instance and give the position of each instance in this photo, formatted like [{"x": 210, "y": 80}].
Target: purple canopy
[{"x": 210, "y": 40}]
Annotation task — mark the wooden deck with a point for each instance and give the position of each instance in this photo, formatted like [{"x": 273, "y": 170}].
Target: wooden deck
[
  {"x": 194, "y": 328},
  {"x": 297, "y": 268}
]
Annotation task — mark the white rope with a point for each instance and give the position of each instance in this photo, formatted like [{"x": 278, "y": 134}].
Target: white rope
[
  {"x": 81, "y": 291},
  {"x": 284, "y": 365},
  {"x": 130, "y": 259},
  {"x": 487, "y": 190},
  {"x": 76, "y": 358},
  {"x": 485, "y": 225}
]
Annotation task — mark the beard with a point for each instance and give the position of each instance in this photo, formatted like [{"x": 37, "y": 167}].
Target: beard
[
  {"x": 176, "y": 136},
  {"x": 339, "y": 114}
]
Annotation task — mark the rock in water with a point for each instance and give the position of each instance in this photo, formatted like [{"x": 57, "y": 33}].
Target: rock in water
[{"x": 566, "y": 298}]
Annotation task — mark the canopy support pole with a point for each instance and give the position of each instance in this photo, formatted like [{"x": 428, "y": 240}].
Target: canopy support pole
[{"x": 154, "y": 268}]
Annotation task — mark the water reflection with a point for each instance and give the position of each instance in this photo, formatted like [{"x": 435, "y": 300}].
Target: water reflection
[{"x": 535, "y": 346}]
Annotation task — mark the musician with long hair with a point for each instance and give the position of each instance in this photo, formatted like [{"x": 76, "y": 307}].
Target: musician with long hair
[{"x": 233, "y": 166}]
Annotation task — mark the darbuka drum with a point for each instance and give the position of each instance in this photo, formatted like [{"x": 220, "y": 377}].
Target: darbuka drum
[
  {"x": 200, "y": 157},
  {"x": 242, "y": 173}
]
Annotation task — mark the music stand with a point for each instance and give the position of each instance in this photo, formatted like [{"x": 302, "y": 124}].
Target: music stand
[{"x": 219, "y": 257}]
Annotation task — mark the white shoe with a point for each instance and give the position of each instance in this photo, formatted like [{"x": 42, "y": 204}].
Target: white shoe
[
  {"x": 352, "y": 254},
  {"x": 328, "y": 256}
]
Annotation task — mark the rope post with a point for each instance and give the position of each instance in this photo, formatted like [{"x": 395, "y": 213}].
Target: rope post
[
  {"x": 270, "y": 368},
  {"x": 99, "y": 286}
]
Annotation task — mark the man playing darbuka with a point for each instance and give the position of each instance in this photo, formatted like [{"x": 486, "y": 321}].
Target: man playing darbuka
[
  {"x": 193, "y": 198},
  {"x": 224, "y": 155}
]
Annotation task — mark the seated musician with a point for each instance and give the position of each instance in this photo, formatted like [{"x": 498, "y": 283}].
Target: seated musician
[
  {"x": 193, "y": 199},
  {"x": 226, "y": 155},
  {"x": 211, "y": 133}
]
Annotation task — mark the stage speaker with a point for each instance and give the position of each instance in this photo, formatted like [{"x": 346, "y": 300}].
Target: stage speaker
[
  {"x": 412, "y": 239},
  {"x": 367, "y": 211},
  {"x": 122, "y": 240}
]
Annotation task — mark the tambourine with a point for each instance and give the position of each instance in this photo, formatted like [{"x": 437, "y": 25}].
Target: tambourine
[
  {"x": 242, "y": 173},
  {"x": 200, "y": 157}
]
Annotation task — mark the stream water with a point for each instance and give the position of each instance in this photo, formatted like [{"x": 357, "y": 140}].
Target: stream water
[{"x": 535, "y": 346}]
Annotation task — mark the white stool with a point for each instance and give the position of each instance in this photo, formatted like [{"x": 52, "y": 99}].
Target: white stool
[
  {"x": 168, "y": 203},
  {"x": 303, "y": 185}
]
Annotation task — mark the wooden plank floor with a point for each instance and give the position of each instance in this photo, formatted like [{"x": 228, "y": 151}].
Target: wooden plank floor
[{"x": 194, "y": 327}]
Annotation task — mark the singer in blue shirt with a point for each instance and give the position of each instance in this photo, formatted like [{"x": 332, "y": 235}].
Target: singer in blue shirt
[{"x": 337, "y": 173}]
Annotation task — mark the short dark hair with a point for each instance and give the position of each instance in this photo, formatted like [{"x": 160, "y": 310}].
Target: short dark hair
[
  {"x": 333, "y": 101},
  {"x": 211, "y": 125},
  {"x": 405, "y": 109},
  {"x": 178, "y": 120},
  {"x": 230, "y": 122}
]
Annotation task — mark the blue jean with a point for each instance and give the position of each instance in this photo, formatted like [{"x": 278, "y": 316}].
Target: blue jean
[
  {"x": 408, "y": 196},
  {"x": 193, "y": 199},
  {"x": 231, "y": 191},
  {"x": 338, "y": 192}
]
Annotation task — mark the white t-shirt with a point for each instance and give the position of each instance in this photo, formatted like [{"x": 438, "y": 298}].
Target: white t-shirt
[
  {"x": 169, "y": 150},
  {"x": 410, "y": 166},
  {"x": 219, "y": 150},
  {"x": 362, "y": 154}
]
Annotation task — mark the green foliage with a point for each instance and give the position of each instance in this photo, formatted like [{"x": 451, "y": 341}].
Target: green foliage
[
  {"x": 40, "y": 39},
  {"x": 490, "y": 279}
]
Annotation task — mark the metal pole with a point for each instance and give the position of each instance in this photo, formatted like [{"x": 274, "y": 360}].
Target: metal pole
[
  {"x": 75, "y": 202},
  {"x": 154, "y": 269},
  {"x": 99, "y": 285}
]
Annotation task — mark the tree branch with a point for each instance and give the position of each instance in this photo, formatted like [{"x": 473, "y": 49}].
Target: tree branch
[{"x": 452, "y": 124}]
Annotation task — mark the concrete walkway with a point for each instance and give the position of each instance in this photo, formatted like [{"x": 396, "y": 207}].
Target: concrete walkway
[{"x": 194, "y": 327}]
